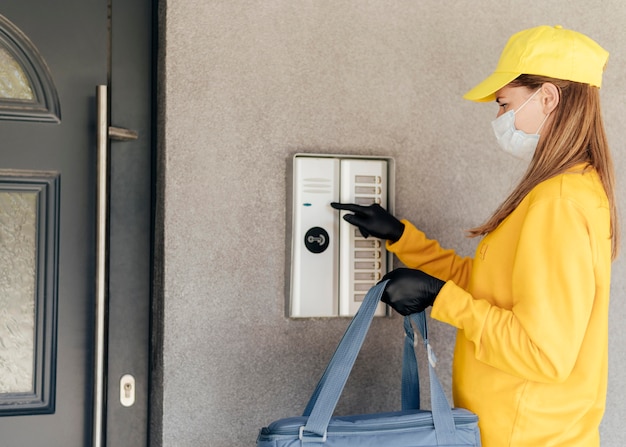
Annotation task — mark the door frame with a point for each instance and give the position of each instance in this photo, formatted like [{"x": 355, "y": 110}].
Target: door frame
[{"x": 132, "y": 105}]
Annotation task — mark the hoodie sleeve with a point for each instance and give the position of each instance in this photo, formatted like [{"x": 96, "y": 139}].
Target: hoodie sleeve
[{"x": 416, "y": 251}]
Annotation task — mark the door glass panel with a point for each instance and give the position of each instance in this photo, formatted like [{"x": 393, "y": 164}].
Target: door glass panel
[
  {"x": 13, "y": 81},
  {"x": 27, "y": 91},
  {"x": 29, "y": 217},
  {"x": 18, "y": 222}
]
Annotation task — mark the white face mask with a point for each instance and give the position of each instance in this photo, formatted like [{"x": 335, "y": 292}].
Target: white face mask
[{"x": 513, "y": 141}]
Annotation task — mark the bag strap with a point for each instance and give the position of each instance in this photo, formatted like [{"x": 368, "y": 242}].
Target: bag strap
[
  {"x": 410, "y": 374},
  {"x": 333, "y": 380},
  {"x": 328, "y": 390},
  {"x": 442, "y": 412}
]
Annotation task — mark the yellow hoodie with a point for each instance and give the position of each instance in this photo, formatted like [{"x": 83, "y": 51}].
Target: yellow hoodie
[{"x": 531, "y": 310}]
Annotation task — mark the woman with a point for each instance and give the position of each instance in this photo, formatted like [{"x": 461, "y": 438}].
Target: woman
[{"x": 531, "y": 307}]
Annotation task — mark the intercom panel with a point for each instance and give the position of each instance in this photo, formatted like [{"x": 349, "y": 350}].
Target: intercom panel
[
  {"x": 333, "y": 265},
  {"x": 362, "y": 261},
  {"x": 315, "y": 249}
]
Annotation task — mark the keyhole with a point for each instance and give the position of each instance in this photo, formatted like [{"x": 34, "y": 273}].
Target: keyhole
[{"x": 127, "y": 390}]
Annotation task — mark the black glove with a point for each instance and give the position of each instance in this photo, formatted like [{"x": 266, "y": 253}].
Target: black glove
[
  {"x": 372, "y": 220},
  {"x": 410, "y": 291}
]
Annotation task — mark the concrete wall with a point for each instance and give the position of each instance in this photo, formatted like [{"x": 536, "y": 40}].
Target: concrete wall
[{"x": 245, "y": 85}]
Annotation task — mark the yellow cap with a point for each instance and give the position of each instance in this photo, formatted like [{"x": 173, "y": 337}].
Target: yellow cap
[{"x": 545, "y": 51}]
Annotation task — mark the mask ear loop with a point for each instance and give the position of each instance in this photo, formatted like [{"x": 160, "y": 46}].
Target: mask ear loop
[
  {"x": 542, "y": 123},
  {"x": 527, "y": 101}
]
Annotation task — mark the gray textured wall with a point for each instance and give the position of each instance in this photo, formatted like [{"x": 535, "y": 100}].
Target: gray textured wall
[{"x": 245, "y": 85}]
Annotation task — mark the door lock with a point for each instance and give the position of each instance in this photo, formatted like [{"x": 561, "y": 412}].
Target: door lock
[{"x": 127, "y": 390}]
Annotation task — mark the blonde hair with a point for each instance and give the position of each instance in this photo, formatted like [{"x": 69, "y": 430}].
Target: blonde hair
[{"x": 576, "y": 136}]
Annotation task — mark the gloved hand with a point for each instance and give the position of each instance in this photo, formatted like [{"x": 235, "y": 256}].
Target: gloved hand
[
  {"x": 410, "y": 291},
  {"x": 372, "y": 220}
]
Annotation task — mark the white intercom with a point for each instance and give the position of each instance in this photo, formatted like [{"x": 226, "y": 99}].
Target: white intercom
[{"x": 333, "y": 265}]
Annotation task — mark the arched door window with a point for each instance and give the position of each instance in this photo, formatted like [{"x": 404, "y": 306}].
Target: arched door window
[{"x": 27, "y": 91}]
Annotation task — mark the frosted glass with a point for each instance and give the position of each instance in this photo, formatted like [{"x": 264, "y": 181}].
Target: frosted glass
[
  {"x": 18, "y": 276},
  {"x": 13, "y": 82}
]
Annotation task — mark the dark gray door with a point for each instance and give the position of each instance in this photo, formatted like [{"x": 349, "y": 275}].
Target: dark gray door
[{"x": 48, "y": 193}]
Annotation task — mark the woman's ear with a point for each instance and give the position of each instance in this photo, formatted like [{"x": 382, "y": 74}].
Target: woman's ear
[{"x": 550, "y": 97}]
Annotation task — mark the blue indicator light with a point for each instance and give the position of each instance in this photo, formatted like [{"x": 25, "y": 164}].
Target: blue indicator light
[{"x": 306, "y": 204}]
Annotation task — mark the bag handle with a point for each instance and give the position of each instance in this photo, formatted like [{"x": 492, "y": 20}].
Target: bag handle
[{"x": 328, "y": 390}]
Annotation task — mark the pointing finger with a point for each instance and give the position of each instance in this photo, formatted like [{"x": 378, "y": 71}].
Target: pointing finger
[{"x": 353, "y": 207}]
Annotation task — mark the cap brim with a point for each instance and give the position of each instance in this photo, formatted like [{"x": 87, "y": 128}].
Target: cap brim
[{"x": 486, "y": 90}]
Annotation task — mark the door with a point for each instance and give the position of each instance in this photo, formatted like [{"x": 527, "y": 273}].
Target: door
[{"x": 61, "y": 384}]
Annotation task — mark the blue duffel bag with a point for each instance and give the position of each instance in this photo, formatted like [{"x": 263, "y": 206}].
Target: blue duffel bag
[{"x": 411, "y": 427}]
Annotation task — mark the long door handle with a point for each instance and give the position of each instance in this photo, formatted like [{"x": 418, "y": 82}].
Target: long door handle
[
  {"x": 104, "y": 133},
  {"x": 101, "y": 298}
]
